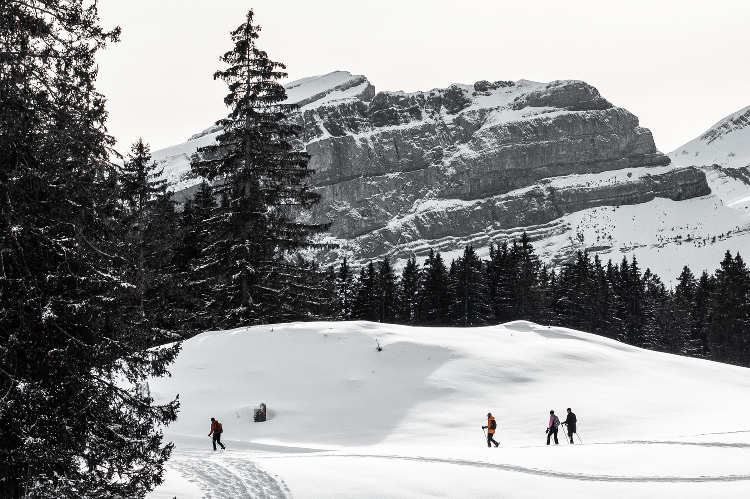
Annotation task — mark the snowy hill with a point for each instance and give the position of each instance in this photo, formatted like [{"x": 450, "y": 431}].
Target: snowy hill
[
  {"x": 348, "y": 421},
  {"x": 726, "y": 144}
]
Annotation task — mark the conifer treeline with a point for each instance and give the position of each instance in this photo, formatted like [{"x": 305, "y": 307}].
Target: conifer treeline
[{"x": 706, "y": 316}]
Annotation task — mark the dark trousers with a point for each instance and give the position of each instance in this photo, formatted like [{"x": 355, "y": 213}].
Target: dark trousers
[
  {"x": 491, "y": 440},
  {"x": 552, "y": 431},
  {"x": 571, "y": 430},
  {"x": 217, "y": 440}
]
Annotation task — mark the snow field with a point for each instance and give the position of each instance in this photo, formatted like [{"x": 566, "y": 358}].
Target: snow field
[{"x": 346, "y": 420}]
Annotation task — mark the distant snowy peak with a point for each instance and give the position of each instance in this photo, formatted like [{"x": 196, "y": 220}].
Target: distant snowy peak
[
  {"x": 325, "y": 89},
  {"x": 732, "y": 123},
  {"x": 207, "y": 131},
  {"x": 726, "y": 144}
]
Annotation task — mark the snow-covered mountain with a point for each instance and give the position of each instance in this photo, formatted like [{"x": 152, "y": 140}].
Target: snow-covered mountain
[
  {"x": 345, "y": 420},
  {"x": 402, "y": 173},
  {"x": 726, "y": 144}
]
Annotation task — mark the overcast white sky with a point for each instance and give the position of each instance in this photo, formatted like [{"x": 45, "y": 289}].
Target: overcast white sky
[{"x": 679, "y": 65}]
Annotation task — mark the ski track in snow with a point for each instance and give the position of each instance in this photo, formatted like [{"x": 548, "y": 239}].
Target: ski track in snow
[
  {"x": 231, "y": 478},
  {"x": 240, "y": 477},
  {"x": 550, "y": 473}
]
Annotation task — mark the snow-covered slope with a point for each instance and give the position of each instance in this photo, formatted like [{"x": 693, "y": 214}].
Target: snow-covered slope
[
  {"x": 348, "y": 421},
  {"x": 727, "y": 144}
]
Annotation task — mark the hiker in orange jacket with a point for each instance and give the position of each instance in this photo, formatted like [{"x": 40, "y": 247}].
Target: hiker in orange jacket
[
  {"x": 491, "y": 425},
  {"x": 216, "y": 430}
]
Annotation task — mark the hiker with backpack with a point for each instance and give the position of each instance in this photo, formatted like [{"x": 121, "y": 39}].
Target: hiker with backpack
[
  {"x": 554, "y": 423},
  {"x": 491, "y": 427},
  {"x": 570, "y": 423},
  {"x": 216, "y": 430}
]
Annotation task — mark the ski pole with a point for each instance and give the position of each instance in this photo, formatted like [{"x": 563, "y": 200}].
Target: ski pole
[
  {"x": 579, "y": 438},
  {"x": 565, "y": 433}
]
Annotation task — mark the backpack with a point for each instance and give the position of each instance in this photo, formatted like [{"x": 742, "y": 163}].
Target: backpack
[
  {"x": 218, "y": 428},
  {"x": 493, "y": 425},
  {"x": 555, "y": 421}
]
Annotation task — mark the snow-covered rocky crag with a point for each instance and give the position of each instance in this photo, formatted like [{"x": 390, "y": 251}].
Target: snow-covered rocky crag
[
  {"x": 346, "y": 420},
  {"x": 401, "y": 173}
]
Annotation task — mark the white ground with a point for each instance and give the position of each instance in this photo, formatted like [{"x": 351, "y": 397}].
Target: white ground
[{"x": 348, "y": 421}]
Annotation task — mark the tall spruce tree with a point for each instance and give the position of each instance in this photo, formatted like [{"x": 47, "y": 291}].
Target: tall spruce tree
[
  {"x": 527, "y": 289},
  {"x": 386, "y": 290},
  {"x": 366, "y": 294},
  {"x": 685, "y": 309},
  {"x": 729, "y": 338},
  {"x": 148, "y": 243},
  {"x": 409, "y": 292},
  {"x": 703, "y": 312},
  {"x": 344, "y": 291},
  {"x": 433, "y": 291},
  {"x": 264, "y": 180},
  {"x": 503, "y": 278},
  {"x": 193, "y": 291},
  {"x": 76, "y": 423},
  {"x": 468, "y": 290}
]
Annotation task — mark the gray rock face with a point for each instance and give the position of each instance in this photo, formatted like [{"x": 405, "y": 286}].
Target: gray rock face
[
  {"x": 400, "y": 173},
  {"x": 485, "y": 219},
  {"x": 492, "y": 148}
]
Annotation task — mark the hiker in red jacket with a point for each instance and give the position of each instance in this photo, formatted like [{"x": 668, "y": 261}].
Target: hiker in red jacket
[{"x": 217, "y": 431}]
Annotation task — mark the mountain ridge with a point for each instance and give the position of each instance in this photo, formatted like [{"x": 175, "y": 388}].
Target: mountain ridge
[{"x": 400, "y": 173}]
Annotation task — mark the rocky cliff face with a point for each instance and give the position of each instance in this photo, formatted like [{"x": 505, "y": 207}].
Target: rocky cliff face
[
  {"x": 400, "y": 173},
  {"x": 395, "y": 168}
]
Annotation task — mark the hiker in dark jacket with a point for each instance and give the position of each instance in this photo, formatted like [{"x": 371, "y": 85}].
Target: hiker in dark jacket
[
  {"x": 216, "y": 430},
  {"x": 554, "y": 422},
  {"x": 491, "y": 425},
  {"x": 570, "y": 423}
]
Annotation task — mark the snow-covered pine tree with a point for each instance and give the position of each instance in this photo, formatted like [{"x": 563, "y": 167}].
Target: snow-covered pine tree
[
  {"x": 254, "y": 165},
  {"x": 75, "y": 424}
]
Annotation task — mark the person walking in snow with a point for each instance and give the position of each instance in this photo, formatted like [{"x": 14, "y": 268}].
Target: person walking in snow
[
  {"x": 554, "y": 422},
  {"x": 491, "y": 426},
  {"x": 216, "y": 430},
  {"x": 570, "y": 424}
]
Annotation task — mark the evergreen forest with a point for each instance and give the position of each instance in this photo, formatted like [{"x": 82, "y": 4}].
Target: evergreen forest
[{"x": 706, "y": 316}]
